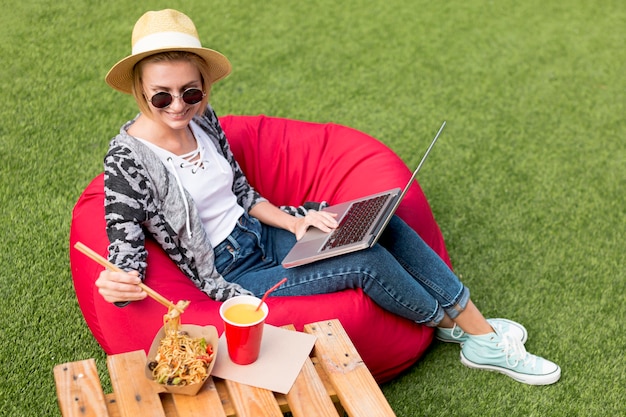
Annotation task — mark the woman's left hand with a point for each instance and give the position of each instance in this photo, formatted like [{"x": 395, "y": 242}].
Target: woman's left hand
[
  {"x": 271, "y": 215},
  {"x": 323, "y": 220}
]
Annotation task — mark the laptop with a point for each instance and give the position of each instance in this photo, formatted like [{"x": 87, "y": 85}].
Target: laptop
[{"x": 361, "y": 222}]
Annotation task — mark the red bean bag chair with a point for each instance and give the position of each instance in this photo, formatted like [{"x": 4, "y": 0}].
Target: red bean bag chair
[{"x": 289, "y": 162}]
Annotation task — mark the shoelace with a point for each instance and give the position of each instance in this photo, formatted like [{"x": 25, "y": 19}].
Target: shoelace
[
  {"x": 515, "y": 352},
  {"x": 456, "y": 336}
]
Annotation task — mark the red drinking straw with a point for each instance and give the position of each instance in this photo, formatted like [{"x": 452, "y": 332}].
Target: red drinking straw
[{"x": 281, "y": 282}]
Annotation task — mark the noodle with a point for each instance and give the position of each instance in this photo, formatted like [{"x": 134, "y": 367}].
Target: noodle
[{"x": 180, "y": 359}]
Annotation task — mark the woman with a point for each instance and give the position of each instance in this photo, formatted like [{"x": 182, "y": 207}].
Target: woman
[{"x": 170, "y": 173}]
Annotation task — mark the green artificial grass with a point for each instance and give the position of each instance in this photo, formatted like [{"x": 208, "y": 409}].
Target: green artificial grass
[{"x": 526, "y": 182}]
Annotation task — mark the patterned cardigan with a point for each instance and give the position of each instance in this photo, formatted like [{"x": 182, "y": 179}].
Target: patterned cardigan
[{"x": 141, "y": 195}]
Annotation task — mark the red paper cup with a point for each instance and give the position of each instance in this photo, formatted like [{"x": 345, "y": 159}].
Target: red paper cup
[{"x": 243, "y": 333}]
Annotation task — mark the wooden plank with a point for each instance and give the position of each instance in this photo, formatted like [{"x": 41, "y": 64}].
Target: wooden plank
[
  {"x": 250, "y": 401},
  {"x": 319, "y": 369},
  {"x": 308, "y": 397},
  {"x": 325, "y": 380},
  {"x": 112, "y": 405},
  {"x": 355, "y": 386},
  {"x": 220, "y": 384},
  {"x": 206, "y": 403},
  {"x": 168, "y": 405},
  {"x": 79, "y": 390},
  {"x": 134, "y": 393}
]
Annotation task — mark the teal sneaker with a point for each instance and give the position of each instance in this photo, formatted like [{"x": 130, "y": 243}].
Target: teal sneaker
[
  {"x": 505, "y": 353},
  {"x": 502, "y": 326}
]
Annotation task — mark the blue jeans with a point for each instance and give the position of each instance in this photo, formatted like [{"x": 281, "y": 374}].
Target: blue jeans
[{"x": 400, "y": 273}]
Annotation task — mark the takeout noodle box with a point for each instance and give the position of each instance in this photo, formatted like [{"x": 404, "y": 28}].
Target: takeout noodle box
[{"x": 210, "y": 335}]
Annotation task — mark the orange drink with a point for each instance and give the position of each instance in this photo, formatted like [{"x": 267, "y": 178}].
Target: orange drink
[{"x": 243, "y": 313}]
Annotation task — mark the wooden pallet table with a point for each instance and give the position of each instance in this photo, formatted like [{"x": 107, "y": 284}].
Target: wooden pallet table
[{"x": 333, "y": 381}]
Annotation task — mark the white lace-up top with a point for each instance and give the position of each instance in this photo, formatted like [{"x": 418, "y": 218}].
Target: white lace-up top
[{"x": 208, "y": 178}]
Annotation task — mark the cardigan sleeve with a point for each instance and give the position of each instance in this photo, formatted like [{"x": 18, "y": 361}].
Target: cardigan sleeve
[{"x": 124, "y": 212}]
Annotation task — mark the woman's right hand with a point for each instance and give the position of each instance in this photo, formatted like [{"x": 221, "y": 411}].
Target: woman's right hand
[
  {"x": 323, "y": 220},
  {"x": 120, "y": 286}
]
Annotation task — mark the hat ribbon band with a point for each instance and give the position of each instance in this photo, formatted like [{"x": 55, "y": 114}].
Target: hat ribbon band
[{"x": 165, "y": 40}]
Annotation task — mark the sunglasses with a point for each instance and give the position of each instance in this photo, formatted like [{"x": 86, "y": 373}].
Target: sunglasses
[{"x": 190, "y": 96}]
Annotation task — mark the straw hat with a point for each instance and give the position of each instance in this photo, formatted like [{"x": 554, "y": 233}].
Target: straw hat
[{"x": 160, "y": 31}]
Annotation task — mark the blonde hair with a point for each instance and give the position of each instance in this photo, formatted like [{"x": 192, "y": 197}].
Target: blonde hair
[{"x": 171, "y": 56}]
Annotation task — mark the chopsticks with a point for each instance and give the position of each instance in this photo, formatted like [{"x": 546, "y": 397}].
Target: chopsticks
[{"x": 180, "y": 306}]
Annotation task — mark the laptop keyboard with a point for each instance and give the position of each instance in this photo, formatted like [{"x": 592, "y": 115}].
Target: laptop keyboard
[{"x": 356, "y": 222}]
